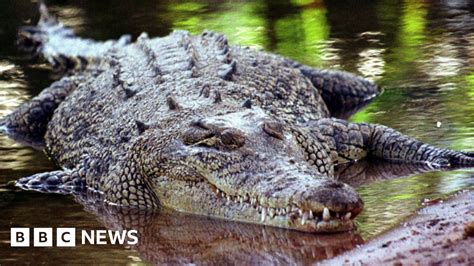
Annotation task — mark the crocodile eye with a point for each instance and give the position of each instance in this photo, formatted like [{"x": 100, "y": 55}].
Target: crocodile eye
[
  {"x": 273, "y": 129},
  {"x": 197, "y": 132},
  {"x": 233, "y": 137}
]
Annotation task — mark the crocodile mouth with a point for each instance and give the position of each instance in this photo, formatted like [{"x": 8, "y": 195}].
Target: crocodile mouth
[
  {"x": 204, "y": 198},
  {"x": 295, "y": 217}
]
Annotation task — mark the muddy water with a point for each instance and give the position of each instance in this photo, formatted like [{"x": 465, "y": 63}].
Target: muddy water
[{"x": 421, "y": 52}]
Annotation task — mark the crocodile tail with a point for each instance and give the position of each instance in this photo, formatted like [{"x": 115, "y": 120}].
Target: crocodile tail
[
  {"x": 59, "y": 45},
  {"x": 46, "y": 17},
  {"x": 31, "y": 38},
  {"x": 34, "y": 39}
]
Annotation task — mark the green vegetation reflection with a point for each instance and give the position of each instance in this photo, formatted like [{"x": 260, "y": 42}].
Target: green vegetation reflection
[
  {"x": 389, "y": 202},
  {"x": 300, "y": 34},
  {"x": 240, "y": 22}
]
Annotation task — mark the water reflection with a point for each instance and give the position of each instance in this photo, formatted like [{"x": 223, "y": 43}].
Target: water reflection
[
  {"x": 364, "y": 172},
  {"x": 239, "y": 21},
  {"x": 444, "y": 63},
  {"x": 391, "y": 191},
  {"x": 420, "y": 51},
  {"x": 12, "y": 87},
  {"x": 371, "y": 63},
  {"x": 171, "y": 237},
  {"x": 22, "y": 210},
  {"x": 75, "y": 16}
]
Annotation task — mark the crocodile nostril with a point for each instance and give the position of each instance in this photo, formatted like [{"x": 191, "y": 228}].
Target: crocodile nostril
[{"x": 336, "y": 196}]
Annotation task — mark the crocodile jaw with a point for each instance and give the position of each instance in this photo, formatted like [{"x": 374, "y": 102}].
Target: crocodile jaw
[
  {"x": 202, "y": 198},
  {"x": 286, "y": 195}
]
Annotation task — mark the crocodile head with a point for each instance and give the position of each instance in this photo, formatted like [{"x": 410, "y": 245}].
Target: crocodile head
[{"x": 244, "y": 166}]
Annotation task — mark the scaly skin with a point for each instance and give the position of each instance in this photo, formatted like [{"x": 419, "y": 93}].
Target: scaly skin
[{"x": 196, "y": 125}]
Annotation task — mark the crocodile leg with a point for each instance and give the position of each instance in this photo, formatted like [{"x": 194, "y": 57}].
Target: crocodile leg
[
  {"x": 56, "y": 181},
  {"x": 61, "y": 47},
  {"x": 66, "y": 52},
  {"x": 29, "y": 121},
  {"x": 128, "y": 186},
  {"x": 353, "y": 141},
  {"x": 344, "y": 93}
]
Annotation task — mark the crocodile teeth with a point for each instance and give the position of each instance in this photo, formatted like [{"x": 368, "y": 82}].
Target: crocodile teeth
[
  {"x": 271, "y": 212},
  {"x": 252, "y": 201},
  {"x": 326, "y": 215},
  {"x": 311, "y": 216},
  {"x": 264, "y": 214},
  {"x": 305, "y": 217},
  {"x": 241, "y": 200},
  {"x": 347, "y": 216}
]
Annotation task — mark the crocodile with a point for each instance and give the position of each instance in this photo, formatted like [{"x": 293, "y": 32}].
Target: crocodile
[{"x": 194, "y": 124}]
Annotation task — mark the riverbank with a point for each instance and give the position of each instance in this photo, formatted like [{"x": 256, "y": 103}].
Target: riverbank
[{"x": 442, "y": 233}]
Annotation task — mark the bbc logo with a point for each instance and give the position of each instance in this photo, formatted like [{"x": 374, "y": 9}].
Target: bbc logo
[
  {"x": 66, "y": 237},
  {"x": 42, "y": 237}
]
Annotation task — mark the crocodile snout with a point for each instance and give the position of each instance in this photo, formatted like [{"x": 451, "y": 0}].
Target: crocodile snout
[{"x": 334, "y": 195}]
